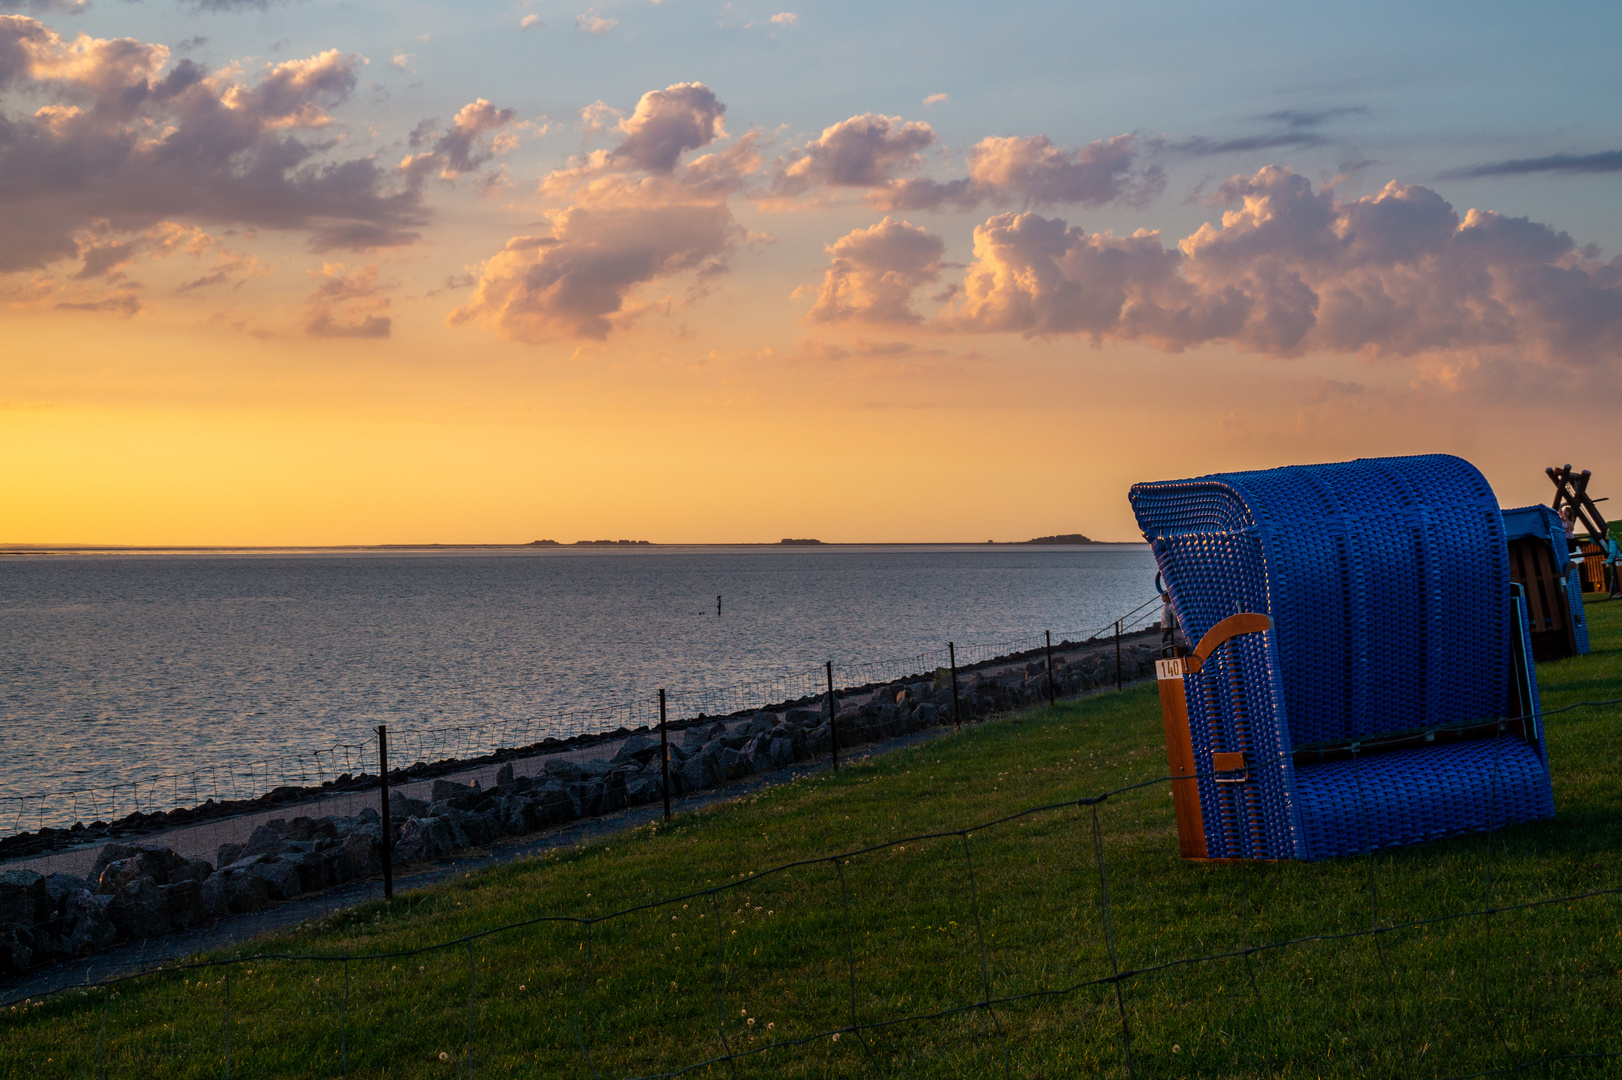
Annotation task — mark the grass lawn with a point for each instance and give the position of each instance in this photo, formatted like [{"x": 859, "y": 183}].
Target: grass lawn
[{"x": 774, "y": 962}]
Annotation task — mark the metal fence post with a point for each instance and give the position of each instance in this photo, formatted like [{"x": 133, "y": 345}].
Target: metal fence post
[
  {"x": 833, "y": 711},
  {"x": 664, "y": 752},
  {"x": 1118, "y": 682},
  {"x": 1052, "y": 697},
  {"x": 957, "y": 709},
  {"x": 388, "y": 825}
]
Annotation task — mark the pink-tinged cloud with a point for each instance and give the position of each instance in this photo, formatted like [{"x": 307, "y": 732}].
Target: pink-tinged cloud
[
  {"x": 577, "y": 281},
  {"x": 877, "y": 152},
  {"x": 1293, "y": 270},
  {"x": 347, "y": 305},
  {"x": 636, "y": 215},
  {"x": 667, "y": 123},
  {"x": 874, "y": 272},
  {"x": 1034, "y": 172},
  {"x": 463, "y": 148},
  {"x": 121, "y": 142},
  {"x": 865, "y": 151}
]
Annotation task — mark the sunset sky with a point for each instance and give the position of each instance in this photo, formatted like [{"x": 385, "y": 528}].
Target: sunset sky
[{"x": 305, "y": 272}]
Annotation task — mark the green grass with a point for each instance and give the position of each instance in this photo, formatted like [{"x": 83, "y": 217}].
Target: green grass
[{"x": 648, "y": 993}]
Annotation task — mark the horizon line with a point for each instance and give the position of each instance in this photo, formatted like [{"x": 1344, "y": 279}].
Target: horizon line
[{"x": 18, "y": 548}]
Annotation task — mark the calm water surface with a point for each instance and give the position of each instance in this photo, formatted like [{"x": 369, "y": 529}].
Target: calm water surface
[{"x": 118, "y": 666}]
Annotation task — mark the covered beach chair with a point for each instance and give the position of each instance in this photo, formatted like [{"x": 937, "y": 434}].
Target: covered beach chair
[
  {"x": 1362, "y": 676},
  {"x": 1540, "y": 563}
]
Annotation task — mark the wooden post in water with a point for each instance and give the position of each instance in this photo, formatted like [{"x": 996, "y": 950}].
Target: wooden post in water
[
  {"x": 717, "y": 607},
  {"x": 833, "y": 711},
  {"x": 664, "y": 752},
  {"x": 1052, "y": 697},
  {"x": 1118, "y": 654},
  {"x": 388, "y": 826},
  {"x": 957, "y": 709}
]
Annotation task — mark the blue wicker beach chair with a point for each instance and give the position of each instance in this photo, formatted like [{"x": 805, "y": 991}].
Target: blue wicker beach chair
[
  {"x": 1540, "y": 562},
  {"x": 1362, "y": 677}
]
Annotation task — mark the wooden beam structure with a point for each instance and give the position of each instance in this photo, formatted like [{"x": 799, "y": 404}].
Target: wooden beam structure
[{"x": 1571, "y": 489}]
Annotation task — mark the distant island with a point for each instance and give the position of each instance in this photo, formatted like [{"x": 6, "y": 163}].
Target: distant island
[
  {"x": 800, "y": 543},
  {"x": 609, "y": 543},
  {"x": 1065, "y": 538}
]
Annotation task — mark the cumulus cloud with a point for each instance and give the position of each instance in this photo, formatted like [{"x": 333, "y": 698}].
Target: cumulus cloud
[
  {"x": 122, "y": 141},
  {"x": 866, "y": 151},
  {"x": 874, "y": 272},
  {"x": 575, "y": 281},
  {"x": 637, "y": 215},
  {"x": 785, "y": 18},
  {"x": 347, "y": 304},
  {"x": 1606, "y": 161},
  {"x": 1033, "y": 171},
  {"x": 937, "y": 99},
  {"x": 876, "y": 152},
  {"x": 1293, "y": 270},
  {"x": 667, "y": 123},
  {"x": 463, "y": 148}
]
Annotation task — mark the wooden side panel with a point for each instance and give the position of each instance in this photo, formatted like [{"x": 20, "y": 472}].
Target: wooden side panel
[
  {"x": 1185, "y": 792},
  {"x": 1531, "y": 566}
]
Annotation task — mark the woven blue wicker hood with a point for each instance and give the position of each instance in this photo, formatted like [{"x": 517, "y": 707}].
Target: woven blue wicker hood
[{"x": 1387, "y": 580}]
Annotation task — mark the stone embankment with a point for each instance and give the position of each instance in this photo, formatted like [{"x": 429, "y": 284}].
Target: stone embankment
[{"x": 137, "y": 891}]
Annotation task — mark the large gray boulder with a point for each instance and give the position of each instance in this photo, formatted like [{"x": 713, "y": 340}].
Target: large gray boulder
[
  {"x": 638, "y": 748},
  {"x": 307, "y": 828},
  {"x": 280, "y": 875},
  {"x": 184, "y": 902},
  {"x": 732, "y": 763},
  {"x": 562, "y": 770},
  {"x": 555, "y": 804},
  {"x": 16, "y": 950},
  {"x": 85, "y": 926},
  {"x": 266, "y": 840},
  {"x": 23, "y": 899},
  {"x": 244, "y": 890},
  {"x": 401, "y": 808},
  {"x": 424, "y": 838},
  {"x": 459, "y": 795},
  {"x": 360, "y": 854},
  {"x": 138, "y": 909},
  {"x": 191, "y": 870},
  {"x": 58, "y": 887}
]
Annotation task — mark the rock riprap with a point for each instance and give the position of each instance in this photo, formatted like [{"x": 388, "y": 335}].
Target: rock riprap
[{"x": 139, "y": 891}]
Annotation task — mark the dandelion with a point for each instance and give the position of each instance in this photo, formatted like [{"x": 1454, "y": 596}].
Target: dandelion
[
  {"x": 521, "y": 986},
  {"x": 750, "y": 1021},
  {"x": 770, "y": 1026},
  {"x": 1176, "y": 1049},
  {"x": 743, "y": 1012},
  {"x": 444, "y": 1056},
  {"x": 836, "y": 1036}
]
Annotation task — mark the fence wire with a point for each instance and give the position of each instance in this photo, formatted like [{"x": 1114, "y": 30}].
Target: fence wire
[
  {"x": 891, "y": 1033},
  {"x": 344, "y": 762}
]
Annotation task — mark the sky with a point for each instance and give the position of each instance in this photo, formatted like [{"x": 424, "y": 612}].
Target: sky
[{"x": 300, "y": 272}]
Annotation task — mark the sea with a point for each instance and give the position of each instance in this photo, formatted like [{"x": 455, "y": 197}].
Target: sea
[{"x": 117, "y": 668}]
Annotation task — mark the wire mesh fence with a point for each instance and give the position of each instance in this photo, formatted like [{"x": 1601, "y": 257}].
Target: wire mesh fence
[
  {"x": 1059, "y": 939},
  {"x": 350, "y": 762}
]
